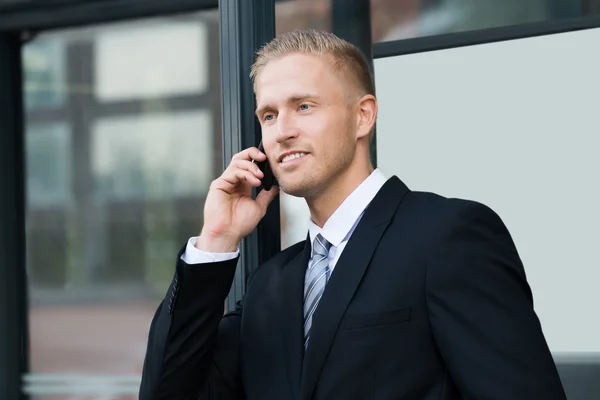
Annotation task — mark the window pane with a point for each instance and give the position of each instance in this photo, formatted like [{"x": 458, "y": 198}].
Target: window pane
[
  {"x": 133, "y": 156},
  {"x": 394, "y": 20},
  {"x": 116, "y": 179},
  {"x": 48, "y": 164},
  {"x": 513, "y": 125},
  {"x": 301, "y": 14},
  {"x": 182, "y": 69},
  {"x": 44, "y": 72}
]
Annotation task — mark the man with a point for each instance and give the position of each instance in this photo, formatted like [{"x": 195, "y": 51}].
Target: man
[{"x": 395, "y": 294}]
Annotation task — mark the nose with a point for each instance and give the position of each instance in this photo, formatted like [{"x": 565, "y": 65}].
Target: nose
[{"x": 286, "y": 128}]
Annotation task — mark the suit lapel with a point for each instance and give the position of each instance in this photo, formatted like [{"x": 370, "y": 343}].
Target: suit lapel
[
  {"x": 292, "y": 318},
  {"x": 345, "y": 279}
]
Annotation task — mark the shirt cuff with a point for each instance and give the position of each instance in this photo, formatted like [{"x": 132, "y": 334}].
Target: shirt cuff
[{"x": 193, "y": 255}]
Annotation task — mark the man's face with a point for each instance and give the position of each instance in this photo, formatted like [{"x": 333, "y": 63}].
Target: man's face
[{"x": 308, "y": 122}]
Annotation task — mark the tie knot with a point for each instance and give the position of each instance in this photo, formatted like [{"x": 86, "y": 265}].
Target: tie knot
[{"x": 321, "y": 246}]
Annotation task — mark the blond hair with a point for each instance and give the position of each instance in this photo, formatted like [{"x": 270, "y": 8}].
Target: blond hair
[{"x": 346, "y": 58}]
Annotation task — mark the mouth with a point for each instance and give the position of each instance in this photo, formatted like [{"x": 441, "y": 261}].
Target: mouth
[{"x": 291, "y": 156}]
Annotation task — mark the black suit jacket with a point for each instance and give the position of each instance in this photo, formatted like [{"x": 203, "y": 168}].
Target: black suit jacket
[{"x": 429, "y": 300}]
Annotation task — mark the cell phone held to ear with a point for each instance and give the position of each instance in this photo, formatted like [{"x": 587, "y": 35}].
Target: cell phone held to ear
[{"x": 269, "y": 179}]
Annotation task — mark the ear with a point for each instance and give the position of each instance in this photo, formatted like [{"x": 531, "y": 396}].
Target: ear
[{"x": 366, "y": 114}]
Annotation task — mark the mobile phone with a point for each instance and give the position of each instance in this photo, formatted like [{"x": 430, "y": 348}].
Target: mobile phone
[{"x": 268, "y": 179}]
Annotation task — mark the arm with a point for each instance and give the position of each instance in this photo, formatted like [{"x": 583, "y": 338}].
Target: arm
[
  {"x": 481, "y": 313},
  {"x": 192, "y": 348}
]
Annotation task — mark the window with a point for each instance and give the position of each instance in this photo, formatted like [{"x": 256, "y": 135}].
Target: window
[
  {"x": 395, "y": 20},
  {"x": 513, "y": 125},
  {"x": 123, "y": 139}
]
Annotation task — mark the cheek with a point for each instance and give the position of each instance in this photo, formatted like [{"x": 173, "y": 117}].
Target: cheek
[
  {"x": 321, "y": 131},
  {"x": 268, "y": 137},
  {"x": 310, "y": 128}
]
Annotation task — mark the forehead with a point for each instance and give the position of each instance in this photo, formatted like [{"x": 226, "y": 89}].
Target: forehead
[{"x": 291, "y": 74}]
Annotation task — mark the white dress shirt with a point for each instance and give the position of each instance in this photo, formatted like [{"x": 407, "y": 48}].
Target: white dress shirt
[{"x": 337, "y": 230}]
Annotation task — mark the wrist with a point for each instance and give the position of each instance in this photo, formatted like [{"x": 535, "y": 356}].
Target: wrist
[{"x": 217, "y": 243}]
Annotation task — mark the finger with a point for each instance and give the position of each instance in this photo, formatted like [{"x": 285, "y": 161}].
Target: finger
[
  {"x": 247, "y": 166},
  {"x": 265, "y": 197},
  {"x": 251, "y": 153},
  {"x": 236, "y": 176}
]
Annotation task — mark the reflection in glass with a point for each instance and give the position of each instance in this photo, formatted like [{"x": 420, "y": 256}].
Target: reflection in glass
[
  {"x": 48, "y": 164},
  {"x": 116, "y": 179},
  {"x": 395, "y": 20},
  {"x": 133, "y": 156},
  {"x": 301, "y": 14},
  {"x": 142, "y": 45},
  {"x": 44, "y": 73}
]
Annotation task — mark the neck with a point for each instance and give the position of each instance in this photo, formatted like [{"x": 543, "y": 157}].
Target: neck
[{"x": 324, "y": 205}]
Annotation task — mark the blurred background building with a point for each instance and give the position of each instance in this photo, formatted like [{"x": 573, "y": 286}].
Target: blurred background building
[{"x": 123, "y": 135}]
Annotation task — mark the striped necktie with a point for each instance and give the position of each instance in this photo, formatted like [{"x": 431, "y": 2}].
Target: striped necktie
[{"x": 315, "y": 280}]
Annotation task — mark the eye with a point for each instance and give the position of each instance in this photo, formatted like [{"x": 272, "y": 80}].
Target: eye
[
  {"x": 304, "y": 107},
  {"x": 268, "y": 117}
]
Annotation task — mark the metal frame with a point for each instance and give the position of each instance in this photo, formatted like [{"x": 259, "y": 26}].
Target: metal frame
[
  {"x": 13, "y": 289},
  {"x": 491, "y": 35},
  {"x": 245, "y": 25},
  {"x": 23, "y": 15}
]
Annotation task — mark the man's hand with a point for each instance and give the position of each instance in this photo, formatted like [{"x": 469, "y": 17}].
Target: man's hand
[{"x": 230, "y": 212}]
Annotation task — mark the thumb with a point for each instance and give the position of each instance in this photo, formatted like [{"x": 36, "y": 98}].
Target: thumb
[{"x": 265, "y": 197}]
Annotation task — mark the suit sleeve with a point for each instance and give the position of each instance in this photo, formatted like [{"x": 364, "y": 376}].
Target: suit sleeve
[
  {"x": 192, "y": 350},
  {"x": 481, "y": 312}
]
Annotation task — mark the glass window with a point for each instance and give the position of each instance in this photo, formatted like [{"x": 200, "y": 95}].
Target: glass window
[
  {"x": 182, "y": 69},
  {"x": 394, "y": 20},
  {"x": 44, "y": 70},
  {"x": 48, "y": 164},
  {"x": 295, "y": 14},
  {"x": 117, "y": 174},
  {"x": 133, "y": 155},
  {"x": 513, "y": 125}
]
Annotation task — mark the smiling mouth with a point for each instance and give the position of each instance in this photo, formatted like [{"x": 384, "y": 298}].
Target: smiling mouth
[{"x": 291, "y": 157}]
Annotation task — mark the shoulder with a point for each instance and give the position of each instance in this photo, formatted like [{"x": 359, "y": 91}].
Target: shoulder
[
  {"x": 436, "y": 209},
  {"x": 437, "y": 218},
  {"x": 462, "y": 236}
]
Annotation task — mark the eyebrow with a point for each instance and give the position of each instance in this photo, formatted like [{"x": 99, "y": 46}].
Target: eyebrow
[{"x": 293, "y": 99}]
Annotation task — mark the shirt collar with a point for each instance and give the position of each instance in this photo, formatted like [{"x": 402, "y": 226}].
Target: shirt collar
[{"x": 345, "y": 218}]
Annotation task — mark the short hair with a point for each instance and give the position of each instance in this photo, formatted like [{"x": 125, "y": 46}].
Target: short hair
[{"x": 346, "y": 57}]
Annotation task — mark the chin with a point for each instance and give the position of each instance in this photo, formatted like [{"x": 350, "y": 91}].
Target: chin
[
  {"x": 300, "y": 188},
  {"x": 292, "y": 190}
]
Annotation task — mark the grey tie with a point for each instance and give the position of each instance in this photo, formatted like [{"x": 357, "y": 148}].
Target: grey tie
[{"x": 315, "y": 280}]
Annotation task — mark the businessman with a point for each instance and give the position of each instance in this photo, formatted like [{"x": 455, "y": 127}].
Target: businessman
[{"x": 394, "y": 294}]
